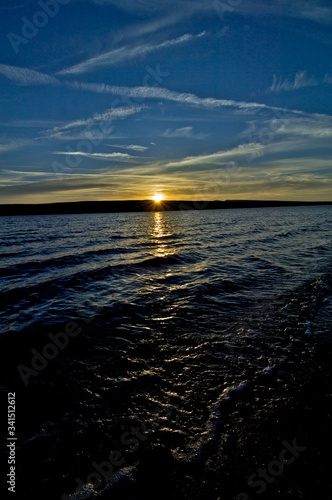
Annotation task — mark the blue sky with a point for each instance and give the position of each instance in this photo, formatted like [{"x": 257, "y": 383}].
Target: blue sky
[{"x": 121, "y": 99}]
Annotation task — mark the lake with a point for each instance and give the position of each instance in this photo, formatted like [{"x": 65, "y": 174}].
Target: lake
[{"x": 135, "y": 332}]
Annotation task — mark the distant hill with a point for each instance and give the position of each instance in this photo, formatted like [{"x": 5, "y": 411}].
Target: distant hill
[{"x": 83, "y": 207}]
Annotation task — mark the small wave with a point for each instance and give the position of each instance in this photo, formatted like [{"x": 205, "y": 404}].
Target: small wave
[
  {"x": 33, "y": 266},
  {"x": 160, "y": 261},
  {"x": 224, "y": 285},
  {"x": 9, "y": 254},
  {"x": 165, "y": 237},
  {"x": 57, "y": 262},
  {"x": 323, "y": 247},
  {"x": 287, "y": 233}
]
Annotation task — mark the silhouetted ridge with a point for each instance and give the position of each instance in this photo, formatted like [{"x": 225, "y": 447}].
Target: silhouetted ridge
[{"x": 84, "y": 207}]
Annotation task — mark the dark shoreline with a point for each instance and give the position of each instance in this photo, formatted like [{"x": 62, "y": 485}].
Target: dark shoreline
[{"x": 85, "y": 207}]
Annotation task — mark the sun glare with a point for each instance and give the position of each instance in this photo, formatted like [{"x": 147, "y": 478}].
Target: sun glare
[{"x": 157, "y": 198}]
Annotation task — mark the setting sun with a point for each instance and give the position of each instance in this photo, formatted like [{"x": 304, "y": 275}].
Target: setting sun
[{"x": 157, "y": 198}]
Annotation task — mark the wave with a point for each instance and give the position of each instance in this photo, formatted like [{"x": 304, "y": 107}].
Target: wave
[
  {"x": 160, "y": 261},
  {"x": 64, "y": 261}
]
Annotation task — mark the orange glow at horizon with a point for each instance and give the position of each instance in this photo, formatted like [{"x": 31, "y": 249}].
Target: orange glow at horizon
[{"x": 157, "y": 198}]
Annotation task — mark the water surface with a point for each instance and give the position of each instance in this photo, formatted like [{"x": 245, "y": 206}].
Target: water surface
[{"x": 178, "y": 311}]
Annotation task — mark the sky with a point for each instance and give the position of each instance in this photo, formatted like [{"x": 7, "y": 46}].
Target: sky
[{"x": 187, "y": 99}]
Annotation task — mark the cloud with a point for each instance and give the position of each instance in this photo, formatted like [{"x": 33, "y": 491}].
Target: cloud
[
  {"x": 124, "y": 53},
  {"x": 290, "y": 126},
  {"x": 313, "y": 10},
  {"x": 154, "y": 25},
  {"x": 327, "y": 78},
  {"x": 49, "y": 186},
  {"x": 24, "y": 76},
  {"x": 107, "y": 116},
  {"x": 132, "y": 147},
  {"x": 293, "y": 138},
  {"x": 13, "y": 177},
  {"x": 31, "y": 123},
  {"x": 219, "y": 158},
  {"x": 184, "y": 132},
  {"x": 170, "y": 95},
  {"x": 301, "y": 80},
  {"x": 316, "y": 128},
  {"x": 96, "y": 156},
  {"x": 139, "y": 93},
  {"x": 14, "y": 145},
  {"x": 308, "y": 10},
  {"x": 151, "y": 8}
]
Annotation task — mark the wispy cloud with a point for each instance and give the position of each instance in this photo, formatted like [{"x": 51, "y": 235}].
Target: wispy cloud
[
  {"x": 14, "y": 176},
  {"x": 31, "y": 123},
  {"x": 315, "y": 128},
  {"x": 170, "y": 95},
  {"x": 24, "y": 76},
  {"x": 327, "y": 78},
  {"x": 96, "y": 156},
  {"x": 30, "y": 77},
  {"x": 13, "y": 145},
  {"x": 132, "y": 147},
  {"x": 76, "y": 183},
  {"x": 311, "y": 10},
  {"x": 301, "y": 80},
  {"x": 314, "y": 10},
  {"x": 124, "y": 53},
  {"x": 219, "y": 157},
  {"x": 151, "y": 26},
  {"x": 155, "y": 7},
  {"x": 184, "y": 132},
  {"x": 107, "y": 116}
]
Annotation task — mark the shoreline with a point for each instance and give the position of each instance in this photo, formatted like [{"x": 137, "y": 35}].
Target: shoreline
[{"x": 136, "y": 206}]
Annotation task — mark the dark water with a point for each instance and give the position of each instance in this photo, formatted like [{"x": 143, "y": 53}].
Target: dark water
[{"x": 178, "y": 312}]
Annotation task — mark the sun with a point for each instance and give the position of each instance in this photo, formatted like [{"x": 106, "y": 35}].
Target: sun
[{"x": 157, "y": 198}]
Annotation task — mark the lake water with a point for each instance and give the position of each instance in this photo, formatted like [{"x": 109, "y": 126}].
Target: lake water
[{"x": 178, "y": 312}]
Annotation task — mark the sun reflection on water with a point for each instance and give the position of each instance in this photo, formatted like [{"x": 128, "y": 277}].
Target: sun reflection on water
[{"x": 162, "y": 235}]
